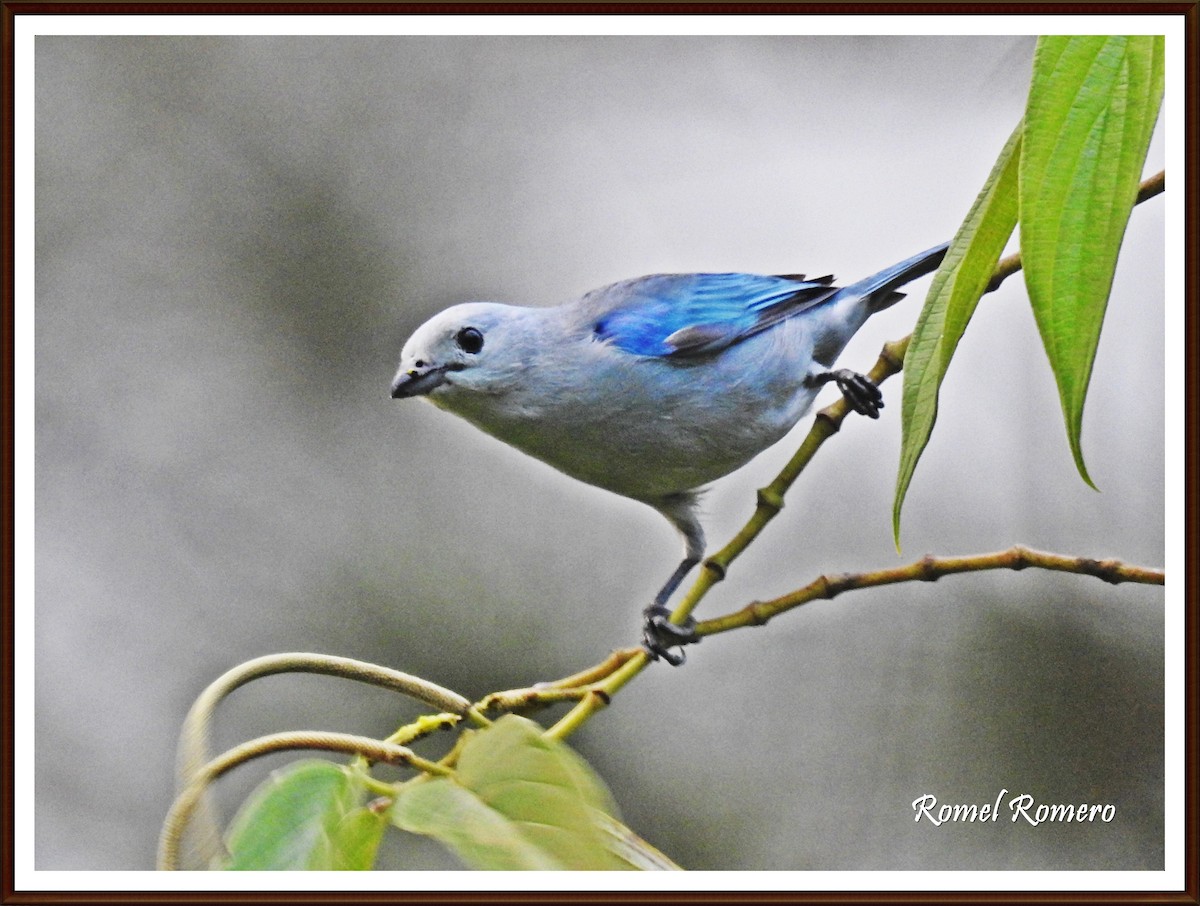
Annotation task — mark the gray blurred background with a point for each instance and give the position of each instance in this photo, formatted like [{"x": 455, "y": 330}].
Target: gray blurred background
[{"x": 236, "y": 235}]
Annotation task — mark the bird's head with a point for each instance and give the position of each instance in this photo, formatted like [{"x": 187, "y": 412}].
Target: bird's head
[{"x": 468, "y": 347}]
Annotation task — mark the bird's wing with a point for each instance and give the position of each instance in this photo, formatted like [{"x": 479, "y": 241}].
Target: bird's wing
[{"x": 680, "y": 315}]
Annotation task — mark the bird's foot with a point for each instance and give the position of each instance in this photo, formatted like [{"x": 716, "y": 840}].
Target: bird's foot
[
  {"x": 862, "y": 394},
  {"x": 659, "y": 635}
]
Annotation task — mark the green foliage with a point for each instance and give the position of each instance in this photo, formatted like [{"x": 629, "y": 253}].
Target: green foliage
[
  {"x": 306, "y": 816},
  {"x": 520, "y": 800},
  {"x": 956, "y": 290},
  {"x": 1069, "y": 177},
  {"x": 356, "y": 840},
  {"x": 481, "y": 836},
  {"x": 1092, "y": 107}
]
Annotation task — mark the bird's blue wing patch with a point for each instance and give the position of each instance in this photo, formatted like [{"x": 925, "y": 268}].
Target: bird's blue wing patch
[{"x": 692, "y": 314}]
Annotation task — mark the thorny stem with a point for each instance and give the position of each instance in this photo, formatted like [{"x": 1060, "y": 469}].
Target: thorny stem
[{"x": 770, "y": 500}]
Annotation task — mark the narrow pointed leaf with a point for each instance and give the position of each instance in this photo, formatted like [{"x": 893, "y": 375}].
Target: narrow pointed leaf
[
  {"x": 294, "y": 821},
  {"x": 956, "y": 289},
  {"x": 1093, "y": 103}
]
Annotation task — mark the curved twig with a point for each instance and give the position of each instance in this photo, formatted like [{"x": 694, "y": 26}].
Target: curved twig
[
  {"x": 193, "y": 794},
  {"x": 193, "y": 753}
]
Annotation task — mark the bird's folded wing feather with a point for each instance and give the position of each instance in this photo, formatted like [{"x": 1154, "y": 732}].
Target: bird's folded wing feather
[{"x": 680, "y": 315}]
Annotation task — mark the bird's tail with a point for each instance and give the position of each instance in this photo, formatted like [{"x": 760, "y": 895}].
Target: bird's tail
[
  {"x": 850, "y": 307},
  {"x": 879, "y": 290}
]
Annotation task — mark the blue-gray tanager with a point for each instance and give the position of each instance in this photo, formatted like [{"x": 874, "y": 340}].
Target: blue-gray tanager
[{"x": 653, "y": 387}]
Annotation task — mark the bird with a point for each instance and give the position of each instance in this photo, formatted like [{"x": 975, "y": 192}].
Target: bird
[{"x": 655, "y": 387}]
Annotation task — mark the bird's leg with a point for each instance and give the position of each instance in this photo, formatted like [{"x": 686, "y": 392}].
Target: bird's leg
[
  {"x": 658, "y": 632},
  {"x": 861, "y": 393}
]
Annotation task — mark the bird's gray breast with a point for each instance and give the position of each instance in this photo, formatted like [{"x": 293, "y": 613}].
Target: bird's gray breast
[{"x": 647, "y": 427}]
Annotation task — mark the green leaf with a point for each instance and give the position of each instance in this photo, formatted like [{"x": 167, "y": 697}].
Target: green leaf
[
  {"x": 519, "y": 800},
  {"x": 1093, "y": 103},
  {"x": 481, "y": 836},
  {"x": 956, "y": 289},
  {"x": 304, "y": 817},
  {"x": 356, "y": 839}
]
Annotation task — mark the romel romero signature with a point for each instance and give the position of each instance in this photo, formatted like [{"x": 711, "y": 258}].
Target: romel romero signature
[{"x": 1020, "y": 806}]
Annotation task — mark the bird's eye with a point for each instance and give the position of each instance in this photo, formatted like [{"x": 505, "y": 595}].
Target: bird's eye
[{"x": 469, "y": 340}]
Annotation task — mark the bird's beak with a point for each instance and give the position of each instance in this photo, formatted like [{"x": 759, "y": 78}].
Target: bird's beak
[{"x": 417, "y": 381}]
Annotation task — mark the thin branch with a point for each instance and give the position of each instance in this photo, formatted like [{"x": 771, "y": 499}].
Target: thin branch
[
  {"x": 531, "y": 699},
  {"x": 598, "y": 696},
  {"x": 929, "y": 569},
  {"x": 1154, "y": 185},
  {"x": 1006, "y": 267},
  {"x": 601, "y": 671},
  {"x": 425, "y": 725},
  {"x": 569, "y": 688}
]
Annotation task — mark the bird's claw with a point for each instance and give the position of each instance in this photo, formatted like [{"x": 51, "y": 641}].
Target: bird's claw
[
  {"x": 659, "y": 635},
  {"x": 861, "y": 393}
]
